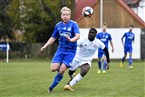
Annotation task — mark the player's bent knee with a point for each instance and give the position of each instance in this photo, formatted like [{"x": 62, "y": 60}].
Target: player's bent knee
[
  {"x": 53, "y": 70},
  {"x": 61, "y": 71}
]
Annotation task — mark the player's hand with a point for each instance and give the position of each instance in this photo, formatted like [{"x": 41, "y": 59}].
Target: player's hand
[
  {"x": 43, "y": 48},
  {"x": 112, "y": 50},
  {"x": 68, "y": 38},
  {"x": 108, "y": 66}
]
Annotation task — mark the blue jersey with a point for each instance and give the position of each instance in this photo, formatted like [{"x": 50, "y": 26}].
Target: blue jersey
[
  {"x": 66, "y": 50},
  {"x": 61, "y": 30},
  {"x": 129, "y": 38},
  {"x": 104, "y": 37}
]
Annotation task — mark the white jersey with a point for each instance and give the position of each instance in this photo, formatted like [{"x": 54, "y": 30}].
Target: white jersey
[
  {"x": 85, "y": 52},
  {"x": 86, "y": 48}
]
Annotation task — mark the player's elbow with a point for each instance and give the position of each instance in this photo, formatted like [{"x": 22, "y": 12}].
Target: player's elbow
[{"x": 78, "y": 36}]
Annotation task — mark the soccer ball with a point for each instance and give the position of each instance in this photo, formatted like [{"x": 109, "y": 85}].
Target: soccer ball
[{"x": 87, "y": 11}]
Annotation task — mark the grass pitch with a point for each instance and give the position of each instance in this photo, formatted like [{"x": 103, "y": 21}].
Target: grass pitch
[{"x": 32, "y": 78}]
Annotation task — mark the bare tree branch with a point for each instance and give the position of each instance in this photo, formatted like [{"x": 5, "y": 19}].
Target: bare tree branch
[{"x": 49, "y": 11}]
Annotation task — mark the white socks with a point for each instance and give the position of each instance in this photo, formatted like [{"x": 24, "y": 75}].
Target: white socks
[{"x": 76, "y": 79}]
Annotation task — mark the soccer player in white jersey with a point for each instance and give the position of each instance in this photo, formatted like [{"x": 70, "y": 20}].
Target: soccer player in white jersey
[{"x": 86, "y": 49}]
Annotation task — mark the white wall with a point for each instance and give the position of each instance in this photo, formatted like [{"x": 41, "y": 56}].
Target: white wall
[
  {"x": 140, "y": 10},
  {"x": 116, "y": 38}
]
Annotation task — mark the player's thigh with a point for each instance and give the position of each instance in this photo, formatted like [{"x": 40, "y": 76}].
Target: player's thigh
[
  {"x": 130, "y": 49},
  {"x": 54, "y": 66},
  {"x": 86, "y": 61},
  {"x": 125, "y": 49},
  {"x": 75, "y": 64},
  {"x": 100, "y": 54},
  {"x": 68, "y": 58},
  {"x": 104, "y": 57},
  {"x": 84, "y": 69},
  {"x": 57, "y": 60},
  {"x": 58, "y": 57}
]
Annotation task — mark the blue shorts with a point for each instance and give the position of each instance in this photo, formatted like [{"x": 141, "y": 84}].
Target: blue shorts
[
  {"x": 100, "y": 53},
  {"x": 64, "y": 56},
  {"x": 127, "y": 48}
]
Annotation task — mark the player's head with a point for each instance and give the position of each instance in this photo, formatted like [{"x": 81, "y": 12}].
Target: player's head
[
  {"x": 104, "y": 27},
  {"x": 65, "y": 14},
  {"x": 131, "y": 27},
  {"x": 92, "y": 34}
]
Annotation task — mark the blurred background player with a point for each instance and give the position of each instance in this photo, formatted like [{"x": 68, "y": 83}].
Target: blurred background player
[
  {"x": 86, "y": 49},
  {"x": 68, "y": 32},
  {"x": 129, "y": 38},
  {"x": 105, "y": 38}
]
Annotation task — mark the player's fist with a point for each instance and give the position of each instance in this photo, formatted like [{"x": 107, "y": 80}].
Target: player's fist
[
  {"x": 43, "y": 48},
  {"x": 68, "y": 38}
]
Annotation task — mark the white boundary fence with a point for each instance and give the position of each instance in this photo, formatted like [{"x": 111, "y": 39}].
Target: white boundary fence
[{"x": 116, "y": 34}]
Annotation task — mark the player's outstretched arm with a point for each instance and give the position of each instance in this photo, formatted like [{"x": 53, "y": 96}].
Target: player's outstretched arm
[
  {"x": 49, "y": 42},
  {"x": 122, "y": 39},
  {"x": 112, "y": 46}
]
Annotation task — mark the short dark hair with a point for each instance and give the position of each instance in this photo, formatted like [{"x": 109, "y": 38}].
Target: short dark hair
[
  {"x": 131, "y": 26},
  {"x": 93, "y": 30},
  {"x": 104, "y": 24}
]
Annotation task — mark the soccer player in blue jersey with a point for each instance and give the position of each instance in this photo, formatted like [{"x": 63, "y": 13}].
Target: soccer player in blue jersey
[
  {"x": 68, "y": 33},
  {"x": 129, "y": 38},
  {"x": 105, "y": 38}
]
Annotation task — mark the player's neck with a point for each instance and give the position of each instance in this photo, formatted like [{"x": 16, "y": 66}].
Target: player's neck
[{"x": 65, "y": 22}]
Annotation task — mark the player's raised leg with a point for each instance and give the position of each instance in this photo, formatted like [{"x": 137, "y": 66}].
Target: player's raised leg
[
  {"x": 58, "y": 77},
  {"x": 84, "y": 69}
]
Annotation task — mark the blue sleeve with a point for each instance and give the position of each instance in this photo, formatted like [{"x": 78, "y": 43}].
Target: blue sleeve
[
  {"x": 76, "y": 28},
  {"x": 110, "y": 38},
  {"x": 55, "y": 33}
]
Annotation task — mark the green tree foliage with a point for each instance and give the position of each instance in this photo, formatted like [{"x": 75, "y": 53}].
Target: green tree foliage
[
  {"x": 35, "y": 18},
  {"x": 6, "y": 24}
]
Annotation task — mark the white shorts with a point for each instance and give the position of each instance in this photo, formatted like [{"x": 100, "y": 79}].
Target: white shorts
[{"x": 78, "y": 62}]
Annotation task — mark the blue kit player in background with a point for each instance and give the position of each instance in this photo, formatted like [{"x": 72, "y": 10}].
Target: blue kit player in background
[
  {"x": 129, "y": 38},
  {"x": 68, "y": 33},
  {"x": 105, "y": 38}
]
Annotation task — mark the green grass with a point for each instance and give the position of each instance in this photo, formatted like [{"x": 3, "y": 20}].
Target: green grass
[{"x": 32, "y": 79}]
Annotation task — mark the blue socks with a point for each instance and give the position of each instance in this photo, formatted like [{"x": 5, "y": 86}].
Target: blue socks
[
  {"x": 57, "y": 79},
  {"x": 99, "y": 64},
  {"x": 104, "y": 65},
  {"x": 130, "y": 61}
]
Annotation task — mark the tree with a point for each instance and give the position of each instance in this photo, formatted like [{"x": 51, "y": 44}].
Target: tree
[
  {"x": 34, "y": 18},
  {"x": 6, "y": 25}
]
